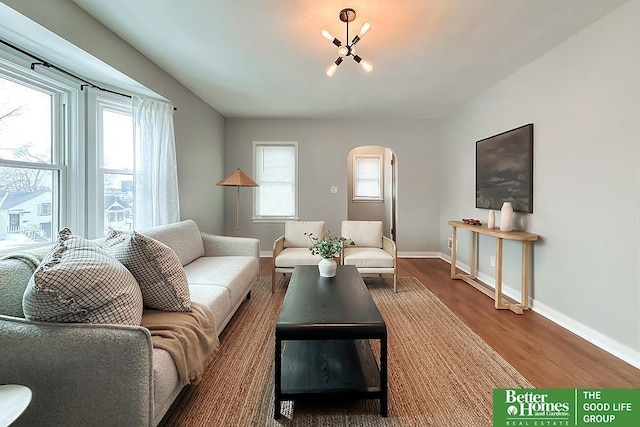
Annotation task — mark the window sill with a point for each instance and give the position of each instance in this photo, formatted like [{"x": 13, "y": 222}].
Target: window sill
[
  {"x": 19, "y": 249},
  {"x": 258, "y": 220},
  {"x": 368, "y": 200}
]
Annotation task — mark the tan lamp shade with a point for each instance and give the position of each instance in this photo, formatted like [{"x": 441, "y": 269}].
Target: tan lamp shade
[{"x": 238, "y": 179}]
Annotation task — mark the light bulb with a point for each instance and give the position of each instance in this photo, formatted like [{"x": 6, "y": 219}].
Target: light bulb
[
  {"x": 365, "y": 27},
  {"x": 327, "y": 35},
  {"x": 366, "y": 65},
  {"x": 343, "y": 51},
  {"x": 331, "y": 70}
]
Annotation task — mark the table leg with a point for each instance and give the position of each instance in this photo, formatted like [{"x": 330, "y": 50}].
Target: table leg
[
  {"x": 525, "y": 275},
  {"x": 277, "y": 379},
  {"x": 498, "y": 274},
  {"x": 454, "y": 249},
  {"x": 383, "y": 376},
  {"x": 474, "y": 254}
]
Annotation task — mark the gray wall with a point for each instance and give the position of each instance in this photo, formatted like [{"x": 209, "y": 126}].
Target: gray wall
[
  {"x": 323, "y": 149},
  {"x": 583, "y": 98},
  {"x": 199, "y": 129}
]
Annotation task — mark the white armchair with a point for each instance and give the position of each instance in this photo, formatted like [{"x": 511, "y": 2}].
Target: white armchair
[
  {"x": 373, "y": 252},
  {"x": 292, "y": 248}
]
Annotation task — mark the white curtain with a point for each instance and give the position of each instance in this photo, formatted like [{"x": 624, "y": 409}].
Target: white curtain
[{"x": 156, "y": 173}]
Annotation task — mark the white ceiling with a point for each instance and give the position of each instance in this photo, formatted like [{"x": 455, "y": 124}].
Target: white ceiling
[
  {"x": 22, "y": 32},
  {"x": 266, "y": 58}
]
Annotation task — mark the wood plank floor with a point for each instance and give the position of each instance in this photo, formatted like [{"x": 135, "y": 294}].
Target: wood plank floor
[{"x": 548, "y": 355}]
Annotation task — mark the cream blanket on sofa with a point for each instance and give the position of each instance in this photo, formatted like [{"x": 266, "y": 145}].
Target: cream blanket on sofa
[{"x": 190, "y": 337}]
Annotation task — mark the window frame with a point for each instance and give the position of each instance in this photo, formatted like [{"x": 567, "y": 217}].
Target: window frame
[
  {"x": 97, "y": 103},
  {"x": 257, "y": 218},
  {"x": 64, "y": 141},
  {"x": 355, "y": 178}
]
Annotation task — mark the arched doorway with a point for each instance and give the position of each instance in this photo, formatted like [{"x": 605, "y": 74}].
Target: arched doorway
[{"x": 372, "y": 186}]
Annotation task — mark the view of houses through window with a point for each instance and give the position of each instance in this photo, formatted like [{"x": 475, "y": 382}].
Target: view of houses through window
[
  {"x": 37, "y": 152},
  {"x": 116, "y": 141},
  {"x": 29, "y": 167}
]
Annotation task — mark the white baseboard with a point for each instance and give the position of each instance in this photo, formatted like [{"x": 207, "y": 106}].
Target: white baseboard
[
  {"x": 596, "y": 338},
  {"x": 418, "y": 254}
]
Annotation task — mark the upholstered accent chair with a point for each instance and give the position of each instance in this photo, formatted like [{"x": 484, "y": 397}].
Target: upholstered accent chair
[
  {"x": 292, "y": 248},
  {"x": 373, "y": 252}
]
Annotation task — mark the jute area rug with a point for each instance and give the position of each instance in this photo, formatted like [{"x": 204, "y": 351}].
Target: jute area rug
[{"x": 440, "y": 372}]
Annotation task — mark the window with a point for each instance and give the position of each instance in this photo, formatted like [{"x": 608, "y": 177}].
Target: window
[
  {"x": 32, "y": 142},
  {"x": 114, "y": 159},
  {"x": 367, "y": 178},
  {"x": 66, "y": 156},
  {"x": 275, "y": 170},
  {"x": 44, "y": 209}
]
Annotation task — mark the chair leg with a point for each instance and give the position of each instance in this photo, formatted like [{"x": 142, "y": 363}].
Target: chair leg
[
  {"x": 395, "y": 281},
  {"x": 273, "y": 281}
]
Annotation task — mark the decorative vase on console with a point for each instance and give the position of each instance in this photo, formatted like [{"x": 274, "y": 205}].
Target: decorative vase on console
[
  {"x": 506, "y": 217},
  {"x": 491, "y": 223}
]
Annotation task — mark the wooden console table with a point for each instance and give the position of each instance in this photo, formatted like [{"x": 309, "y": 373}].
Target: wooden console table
[{"x": 522, "y": 236}]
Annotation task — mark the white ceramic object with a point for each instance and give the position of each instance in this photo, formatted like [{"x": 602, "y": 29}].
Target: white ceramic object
[
  {"x": 14, "y": 399},
  {"x": 327, "y": 267},
  {"x": 491, "y": 223},
  {"x": 506, "y": 217}
]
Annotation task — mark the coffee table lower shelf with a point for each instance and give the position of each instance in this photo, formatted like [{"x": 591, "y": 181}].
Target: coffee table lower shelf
[{"x": 319, "y": 368}]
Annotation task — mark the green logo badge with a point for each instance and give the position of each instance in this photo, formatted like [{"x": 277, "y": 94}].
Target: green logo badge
[{"x": 566, "y": 407}]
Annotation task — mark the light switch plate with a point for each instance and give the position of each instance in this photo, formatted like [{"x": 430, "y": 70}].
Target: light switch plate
[{"x": 333, "y": 189}]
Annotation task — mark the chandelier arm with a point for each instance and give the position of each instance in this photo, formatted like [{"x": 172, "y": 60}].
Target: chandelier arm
[
  {"x": 333, "y": 67},
  {"x": 366, "y": 65},
  {"x": 337, "y": 42}
]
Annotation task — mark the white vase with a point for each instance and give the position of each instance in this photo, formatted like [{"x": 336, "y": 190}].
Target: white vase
[
  {"x": 506, "y": 217},
  {"x": 491, "y": 223},
  {"x": 327, "y": 267}
]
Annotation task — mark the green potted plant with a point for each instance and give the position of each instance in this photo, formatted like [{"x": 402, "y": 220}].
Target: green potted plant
[{"x": 328, "y": 247}]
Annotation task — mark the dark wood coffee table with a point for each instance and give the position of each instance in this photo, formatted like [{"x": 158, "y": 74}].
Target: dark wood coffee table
[{"x": 325, "y": 325}]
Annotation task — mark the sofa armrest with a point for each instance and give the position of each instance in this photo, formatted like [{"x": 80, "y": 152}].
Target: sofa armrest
[
  {"x": 79, "y": 374},
  {"x": 278, "y": 246},
  {"x": 389, "y": 246},
  {"x": 215, "y": 245}
]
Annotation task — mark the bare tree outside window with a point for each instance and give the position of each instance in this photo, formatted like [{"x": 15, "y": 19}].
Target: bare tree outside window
[{"x": 26, "y": 161}]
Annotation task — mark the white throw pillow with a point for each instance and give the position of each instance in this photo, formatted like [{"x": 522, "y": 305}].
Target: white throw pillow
[
  {"x": 155, "y": 266},
  {"x": 80, "y": 282}
]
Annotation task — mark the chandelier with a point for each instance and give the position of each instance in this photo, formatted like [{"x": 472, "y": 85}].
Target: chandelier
[{"x": 348, "y": 49}]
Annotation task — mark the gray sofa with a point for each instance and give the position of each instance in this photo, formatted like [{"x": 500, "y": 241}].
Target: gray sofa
[{"x": 82, "y": 374}]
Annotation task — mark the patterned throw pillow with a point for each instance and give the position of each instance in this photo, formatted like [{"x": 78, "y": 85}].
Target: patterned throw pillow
[
  {"x": 80, "y": 282},
  {"x": 156, "y": 268}
]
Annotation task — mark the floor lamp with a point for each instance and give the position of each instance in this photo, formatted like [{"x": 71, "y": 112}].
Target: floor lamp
[{"x": 237, "y": 179}]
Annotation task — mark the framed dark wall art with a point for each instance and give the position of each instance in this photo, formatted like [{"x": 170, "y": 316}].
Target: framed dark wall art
[{"x": 504, "y": 170}]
